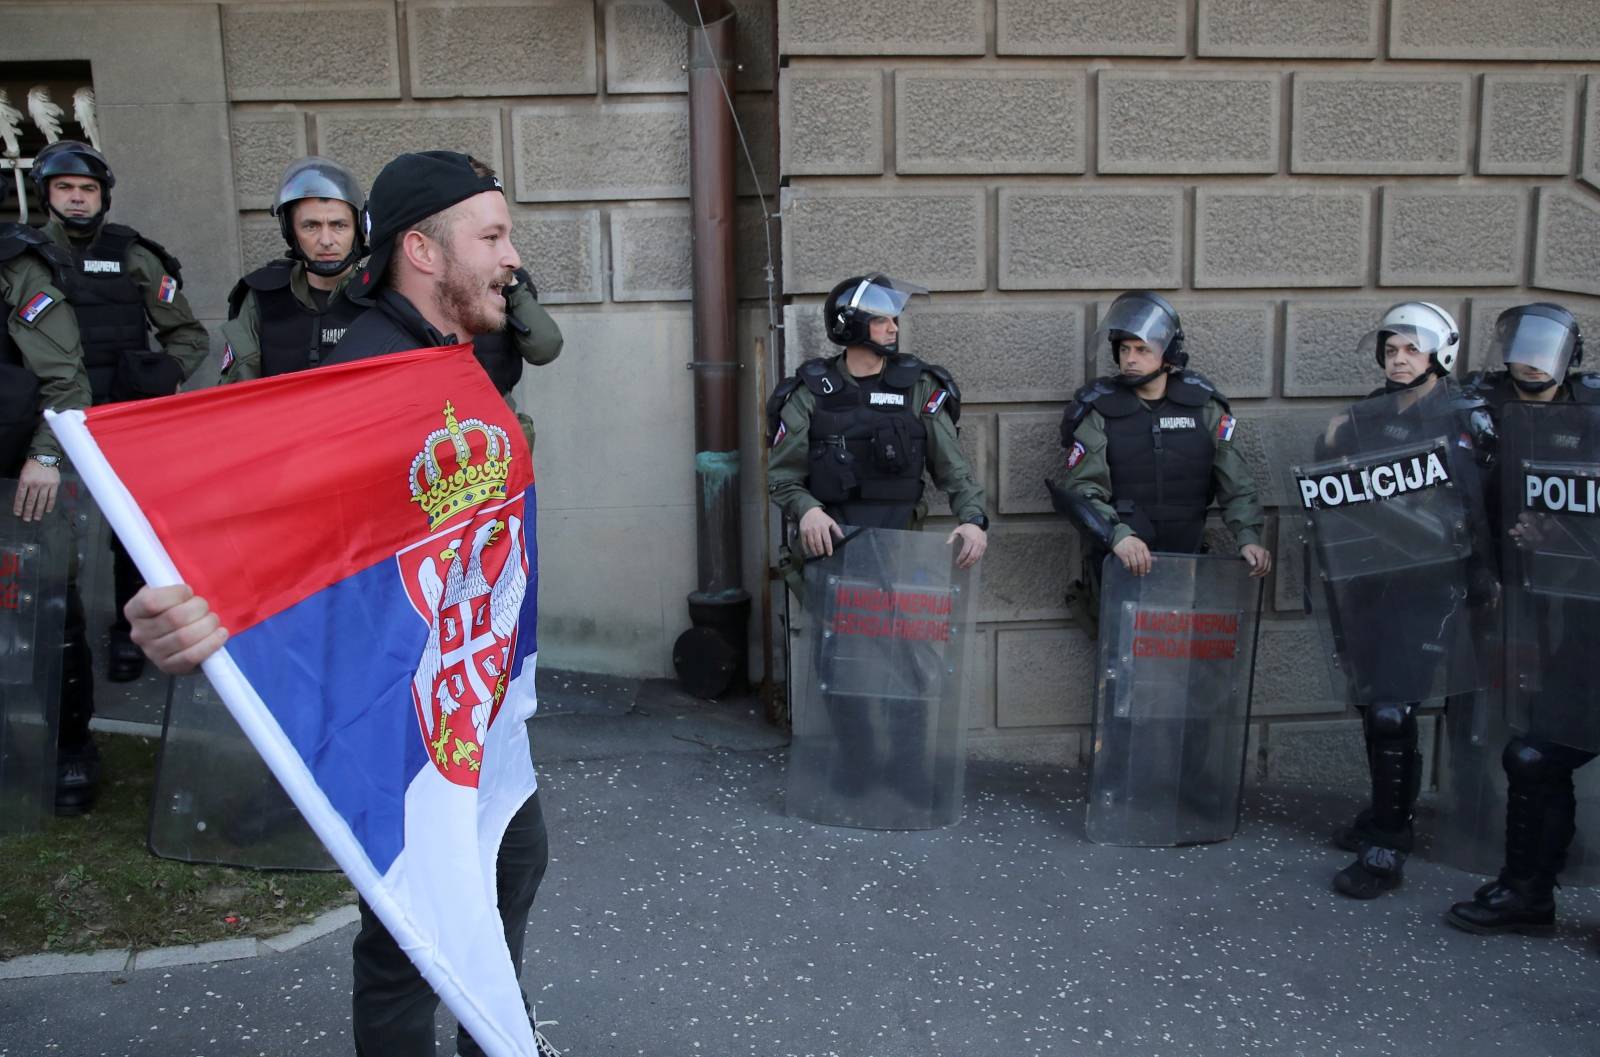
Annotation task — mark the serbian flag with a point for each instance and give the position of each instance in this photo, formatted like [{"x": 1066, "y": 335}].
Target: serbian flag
[{"x": 366, "y": 534}]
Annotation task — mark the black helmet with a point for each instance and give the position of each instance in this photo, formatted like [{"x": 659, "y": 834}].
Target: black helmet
[
  {"x": 1140, "y": 315},
  {"x": 68, "y": 157},
  {"x": 853, "y": 304},
  {"x": 314, "y": 177},
  {"x": 1544, "y": 336}
]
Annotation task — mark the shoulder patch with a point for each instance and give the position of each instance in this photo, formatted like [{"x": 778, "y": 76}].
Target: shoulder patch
[
  {"x": 776, "y": 430},
  {"x": 35, "y": 307},
  {"x": 167, "y": 289},
  {"x": 935, "y": 402},
  {"x": 1225, "y": 426},
  {"x": 1076, "y": 453},
  {"x": 227, "y": 356}
]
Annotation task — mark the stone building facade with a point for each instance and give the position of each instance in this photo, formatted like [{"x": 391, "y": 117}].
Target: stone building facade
[{"x": 1282, "y": 169}]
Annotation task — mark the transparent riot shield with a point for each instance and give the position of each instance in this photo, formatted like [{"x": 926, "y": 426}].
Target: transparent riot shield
[
  {"x": 215, "y": 801},
  {"x": 1471, "y": 833},
  {"x": 1550, "y": 503},
  {"x": 1398, "y": 549},
  {"x": 33, "y": 607},
  {"x": 1172, "y": 702},
  {"x": 878, "y": 679}
]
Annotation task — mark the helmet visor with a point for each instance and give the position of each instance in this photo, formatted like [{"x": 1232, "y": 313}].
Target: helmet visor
[
  {"x": 1426, "y": 339},
  {"x": 880, "y": 295},
  {"x": 1537, "y": 341},
  {"x": 317, "y": 178},
  {"x": 1137, "y": 317}
]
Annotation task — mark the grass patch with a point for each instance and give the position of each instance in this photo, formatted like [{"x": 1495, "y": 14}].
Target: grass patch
[{"x": 90, "y": 882}]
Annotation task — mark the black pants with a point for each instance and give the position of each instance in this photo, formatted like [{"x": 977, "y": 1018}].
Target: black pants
[
  {"x": 393, "y": 1006},
  {"x": 125, "y": 581},
  {"x": 77, "y": 676}
]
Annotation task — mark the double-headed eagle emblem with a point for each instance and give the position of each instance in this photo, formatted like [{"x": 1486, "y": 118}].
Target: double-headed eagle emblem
[{"x": 471, "y": 593}]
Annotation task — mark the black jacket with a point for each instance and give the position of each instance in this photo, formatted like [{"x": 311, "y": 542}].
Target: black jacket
[{"x": 392, "y": 324}]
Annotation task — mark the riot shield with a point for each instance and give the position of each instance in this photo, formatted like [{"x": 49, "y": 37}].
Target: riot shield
[
  {"x": 878, "y": 681},
  {"x": 1398, "y": 543},
  {"x": 215, "y": 801},
  {"x": 1471, "y": 834},
  {"x": 33, "y": 607},
  {"x": 1550, "y": 503},
  {"x": 1172, "y": 701}
]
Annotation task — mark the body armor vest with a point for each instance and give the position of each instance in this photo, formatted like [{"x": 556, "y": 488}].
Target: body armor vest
[
  {"x": 868, "y": 444},
  {"x": 1160, "y": 458},
  {"x": 109, "y": 306},
  {"x": 292, "y": 336},
  {"x": 497, "y": 357}
]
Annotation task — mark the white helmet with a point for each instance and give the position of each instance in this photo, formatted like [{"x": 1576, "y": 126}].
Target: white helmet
[{"x": 1433, "y": 330}]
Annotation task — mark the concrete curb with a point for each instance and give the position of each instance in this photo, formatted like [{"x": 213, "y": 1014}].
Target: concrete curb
[{"x": 126, "y": 961}]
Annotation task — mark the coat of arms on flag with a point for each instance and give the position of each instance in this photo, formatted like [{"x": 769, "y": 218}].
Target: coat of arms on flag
[{"x": 469, "y": 592}]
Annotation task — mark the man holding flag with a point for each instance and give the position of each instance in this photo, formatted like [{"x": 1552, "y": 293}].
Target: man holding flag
[{"x": 441, "y": 260}]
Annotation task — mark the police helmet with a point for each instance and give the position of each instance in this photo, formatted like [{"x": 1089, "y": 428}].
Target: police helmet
[
  {"x": 69, "y": 157},
  {"x": 1140, "y": 315},
  {"x": 317, "y": 177},
  {"x": 1425, "y": 324},
  {"x": 1543, "y": 336},
  {"x": 853, "y": 304}
]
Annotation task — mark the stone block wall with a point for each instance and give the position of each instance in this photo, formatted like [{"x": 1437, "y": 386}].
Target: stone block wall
[{"x": 1283, "y": 171}]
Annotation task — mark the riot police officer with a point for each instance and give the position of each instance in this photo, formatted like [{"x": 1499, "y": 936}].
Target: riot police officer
[
  {"x": 850, "y": 436},
  {"x": 41, "y": 365},
  {"x": 289, "y": 314},
  {"x": 1396, "y": 628},
  {"x": 850, "y": 440},
  {"x": 1151, "y": 447},
  {"x": 121, "y": 286},
  {"x": 1539, "y": 344}
]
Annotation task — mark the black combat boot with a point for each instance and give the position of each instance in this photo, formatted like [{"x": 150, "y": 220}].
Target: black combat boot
[
  {"x": 1541, "y": 813},
  {"x": 1378, "y": 869},
  {"x": 1351, "y": 837},
  {"x": 126, "y": 661},
  {"x": 77, "y": 759},
  {"x": 1507, "y": 905},
  {"x": 77, "y": 778},
  {"x": 1396, "y": 765}
]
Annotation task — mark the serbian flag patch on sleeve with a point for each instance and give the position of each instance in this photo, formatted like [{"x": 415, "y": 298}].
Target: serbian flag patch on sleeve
[
  {"x": 35, "y": 306},
  {"x": 935, "y": 402},
  {"x": 227, "y": 355},
  {"x": 1076, "y": 454},
  {"x": 1225, "y": 427},
  {"x": 167, "y": 290},
  {"x": 777, "y": 438}
]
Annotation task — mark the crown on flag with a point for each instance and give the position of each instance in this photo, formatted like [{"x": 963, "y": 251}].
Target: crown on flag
[{"x": 482, "y": 454}]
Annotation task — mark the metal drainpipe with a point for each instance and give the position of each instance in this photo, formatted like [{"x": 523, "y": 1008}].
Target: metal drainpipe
[{"x": 712, "y": 657}]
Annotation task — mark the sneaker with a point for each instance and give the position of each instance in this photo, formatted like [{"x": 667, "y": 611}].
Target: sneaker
[
  {"x": 1504, "y": 907},
  {"x": 1377, "y": 870}
]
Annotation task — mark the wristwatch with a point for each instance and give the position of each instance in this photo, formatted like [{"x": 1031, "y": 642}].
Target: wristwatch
[
  {"x": 49, "y": 462},
  {"x": 980, "y": 520}
]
